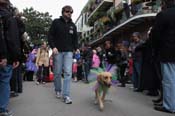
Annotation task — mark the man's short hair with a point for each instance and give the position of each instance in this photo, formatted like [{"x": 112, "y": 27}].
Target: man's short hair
[
  {"x": 108, "y": 42},
  {"x": 137, "y": 34},
  {"x": 67, "y": 7}
]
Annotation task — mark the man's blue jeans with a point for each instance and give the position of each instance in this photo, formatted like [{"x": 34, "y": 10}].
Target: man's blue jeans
[
  {"x": 136, "y": 73},
  {"x": 168, "y": 84},
  {"x": 63, "y": 63},
  {"x": 5, "y": 75}
]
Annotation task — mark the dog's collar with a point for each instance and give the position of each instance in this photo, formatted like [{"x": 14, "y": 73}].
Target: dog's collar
[
  {"x": 102, "y": 86},
  {"x": 100, "y": 83}
]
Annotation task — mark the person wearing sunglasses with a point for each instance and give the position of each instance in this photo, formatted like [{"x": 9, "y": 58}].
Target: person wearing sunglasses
[{"x": 63, "y": 41}]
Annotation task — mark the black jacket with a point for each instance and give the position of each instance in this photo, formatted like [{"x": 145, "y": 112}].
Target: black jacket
[
  {"x": 9, "y": 38},
  {"x": 87, "y": 54},
  {"x": 163, "y": 35},
  {"x": 63, "y": 35},
  {"x": 113, "y": 56},
  {"x": 21, "y": 30}
]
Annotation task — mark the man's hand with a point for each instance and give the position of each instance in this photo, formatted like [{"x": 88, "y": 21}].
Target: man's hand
[
  {"x": 3, "y": 62},
  {"x": 55, "y": 51},
  {"x": 15, "y": 64}
]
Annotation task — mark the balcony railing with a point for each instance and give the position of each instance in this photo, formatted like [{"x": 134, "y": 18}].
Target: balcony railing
[
  {"x": 98, "y": 9},
  {"x": 141, "y": 11}
]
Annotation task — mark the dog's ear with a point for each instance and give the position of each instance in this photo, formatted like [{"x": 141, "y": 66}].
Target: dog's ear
[{"x": 99, "y": 77}]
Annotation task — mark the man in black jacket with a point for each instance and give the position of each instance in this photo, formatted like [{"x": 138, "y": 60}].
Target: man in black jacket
[
  {"x": 16, "y": 80},
  {"x": 163, "y": 36},
  {"x": 9, "y": 53},
  {"x": 63, "y": 41},
  {"x": 87, "y": 61}
]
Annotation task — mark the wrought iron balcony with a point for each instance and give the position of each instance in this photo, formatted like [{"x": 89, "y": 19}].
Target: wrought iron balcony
[
  {"x": 101, "y": 7},
  {"x": 146, "y": 12}
]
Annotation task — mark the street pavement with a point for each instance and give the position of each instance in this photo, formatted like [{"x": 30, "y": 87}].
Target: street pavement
[{"x": 40, "y": 100}]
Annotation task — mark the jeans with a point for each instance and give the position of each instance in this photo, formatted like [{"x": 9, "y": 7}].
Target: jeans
[
  {"x": 5, "y": 75},
  {"x": 86, "y": 69},
  {"x": 13, "y": 81},
  {"x": 43, "y": 73},
  {"x": 62, "y": 63},
  {"x": 29, "y": 75},
  {"x": 19, "y": 79},
  {"x": 16, "y": 80},
  {"x": 122, "y": 69},
  {"x": 168, "y": 84},
  {"x": 136, "y": 74}
]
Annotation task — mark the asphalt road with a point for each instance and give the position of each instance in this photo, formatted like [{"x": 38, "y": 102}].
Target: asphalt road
[{"x": 40, "y": 100}]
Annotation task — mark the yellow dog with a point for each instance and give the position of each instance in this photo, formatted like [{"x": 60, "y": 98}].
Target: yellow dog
[{"x": 102, "y": 86}]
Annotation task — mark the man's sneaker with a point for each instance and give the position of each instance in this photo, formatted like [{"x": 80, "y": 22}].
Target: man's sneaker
[
  {"x": 58, "y": 95},
  {"x": 14, "y": 94},
  {"x": 37, "y": 83},
  {"x": 43, "y": 82},
  {"x": 7, "y": 113},
  {"x": 67, "y": 100}
]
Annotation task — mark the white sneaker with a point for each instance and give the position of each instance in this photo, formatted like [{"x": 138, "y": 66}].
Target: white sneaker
[
  {"x": 44, "y": 82},
  {"x": 58, "y": 95},
  {"x": 67, "y": 100},
  {"x": 37, "y": 83},
  {"x": 6, "y": 113}
]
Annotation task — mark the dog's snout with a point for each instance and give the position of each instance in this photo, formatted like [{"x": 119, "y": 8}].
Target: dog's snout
[{"x": 108, "y": 84}]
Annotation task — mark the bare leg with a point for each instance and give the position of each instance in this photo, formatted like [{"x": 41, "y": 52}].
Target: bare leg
[
  {"x": 100, "y": 101},
  {"x": 96, "y": 100},
  {"x": 103, "y": 96}
]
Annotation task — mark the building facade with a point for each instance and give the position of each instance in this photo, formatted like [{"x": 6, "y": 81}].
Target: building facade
[{"x": 115, "y": 20}]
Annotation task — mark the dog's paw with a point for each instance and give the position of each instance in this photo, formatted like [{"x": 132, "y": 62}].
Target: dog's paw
[{"x": 101, "y": 107}]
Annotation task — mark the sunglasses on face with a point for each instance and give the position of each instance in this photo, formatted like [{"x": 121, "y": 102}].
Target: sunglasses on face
[{"x": 68, "y": 11}]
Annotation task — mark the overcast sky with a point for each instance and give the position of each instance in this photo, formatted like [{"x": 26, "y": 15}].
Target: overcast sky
[{"x": 51, "y": 6}]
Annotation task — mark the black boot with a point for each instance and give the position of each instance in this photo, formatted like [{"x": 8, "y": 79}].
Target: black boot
[
  {"x": 157, "y": 100},
  {"x": 153, "y": 93}
]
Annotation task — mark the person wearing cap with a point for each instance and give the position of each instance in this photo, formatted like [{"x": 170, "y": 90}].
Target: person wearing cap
[
  {"x": 163, "y": 37},
  {"x": 9, "y": 53},
  {"x": 63, "y": 41}
]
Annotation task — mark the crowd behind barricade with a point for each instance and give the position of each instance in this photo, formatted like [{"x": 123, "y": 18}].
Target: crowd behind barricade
[{"x": 132, "y": 61}]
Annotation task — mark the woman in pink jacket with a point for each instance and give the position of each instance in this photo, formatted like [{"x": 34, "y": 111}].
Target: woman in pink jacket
[{"x": 95, "y": 59}]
